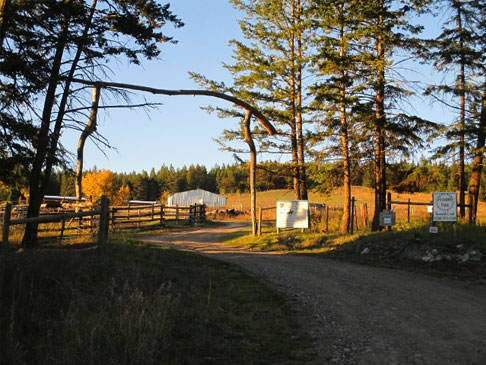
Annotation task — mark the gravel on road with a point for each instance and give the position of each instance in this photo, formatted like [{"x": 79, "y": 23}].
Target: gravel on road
[{"x": 360, "y": 314}]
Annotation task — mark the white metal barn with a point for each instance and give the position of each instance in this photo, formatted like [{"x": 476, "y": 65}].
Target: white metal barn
[{"x": 197, "y": 196}]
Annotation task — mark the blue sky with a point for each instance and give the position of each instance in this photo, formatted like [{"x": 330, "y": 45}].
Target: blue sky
[{"x": 179, "y": 132}]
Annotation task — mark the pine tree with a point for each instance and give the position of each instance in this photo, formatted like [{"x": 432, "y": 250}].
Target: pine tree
[
  {"x": 453, "y": 51},
  {"x": 47, "y": 45},
  {"x": 386, "y": 29},
  {"x": 337, "y": 94},
  {"x": 269, "y": 69}
]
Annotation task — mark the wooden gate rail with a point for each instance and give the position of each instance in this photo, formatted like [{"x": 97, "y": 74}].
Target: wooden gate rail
[
  {"x": 102, "y": 212},
  {"x": 144, "y": 215}
]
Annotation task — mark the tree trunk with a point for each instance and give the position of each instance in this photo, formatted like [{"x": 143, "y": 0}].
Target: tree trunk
[
  {"x": 345, "y": 224},
  {"x": 462, "y": 119},
  {"x": 253, "y": 162},
  {"x": 88, "y": 130},
  {"x": 477, "y": 168},
  {"x": 36, "y": 178},
  {"x": 4, "y": 8},
  {"x": 298, "y": 104},
  {"x": 293, "y": 107},
  {"x": 380, "y": 120}
]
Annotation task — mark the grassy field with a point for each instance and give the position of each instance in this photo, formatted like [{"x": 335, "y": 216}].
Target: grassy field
[
  {"x": 336, "y": 198},
  {"x": 139, "y": 305}
]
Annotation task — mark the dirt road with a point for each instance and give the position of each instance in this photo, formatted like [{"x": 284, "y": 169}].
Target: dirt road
[{"x": 359, "y": 314}]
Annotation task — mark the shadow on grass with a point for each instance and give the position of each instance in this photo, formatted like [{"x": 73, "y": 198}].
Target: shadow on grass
[{"x": 137, "y": 304}]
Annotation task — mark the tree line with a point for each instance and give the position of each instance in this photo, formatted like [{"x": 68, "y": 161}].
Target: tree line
[{"x": 157, "y": 185}]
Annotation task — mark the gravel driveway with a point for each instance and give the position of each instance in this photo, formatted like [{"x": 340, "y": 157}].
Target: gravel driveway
[{"x": 360, "y": 314}]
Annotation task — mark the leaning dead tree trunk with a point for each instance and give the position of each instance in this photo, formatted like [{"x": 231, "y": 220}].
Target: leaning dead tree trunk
[
  {"x": 255, "y": 112},
  {"x": 88, "y": 130},
  {"x": 253, "y": 161},
  {"x": 250, "y": 111}
]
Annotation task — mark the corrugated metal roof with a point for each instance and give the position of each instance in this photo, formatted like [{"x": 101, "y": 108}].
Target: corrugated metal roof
[{"x": 197, "y": 196}]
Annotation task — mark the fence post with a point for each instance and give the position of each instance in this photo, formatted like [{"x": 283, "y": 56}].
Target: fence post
[
  {"x": 260, "y": 213},
  {"x": 388, "y": 206},
  {"x": 203, "y": 213},
  {"x": 113, "y": 210},
  {"x": 177, "y": 214},
  {"x": 327, "y": 218},
  {"x": 408, "y": 211},
  {"x": 63, "y": 226},
  {"x": 104, "y": 219},
  {"x": 162, "y": 215},
  {"x": 191, "y": 214},
  {"x": 352, "y": 215},
  {"x": 6, "y": 222},
  {"x": 365, "y": 216},
  {"x": 470, "y": 209}
]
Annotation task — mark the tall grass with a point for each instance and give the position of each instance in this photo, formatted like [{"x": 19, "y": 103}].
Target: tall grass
[{"x": 138, "y": 304}]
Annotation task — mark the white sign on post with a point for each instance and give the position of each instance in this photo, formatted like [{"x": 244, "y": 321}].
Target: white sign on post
[
  {"x": 292, "y": 214},
  {"x": 445, "y": 207}
]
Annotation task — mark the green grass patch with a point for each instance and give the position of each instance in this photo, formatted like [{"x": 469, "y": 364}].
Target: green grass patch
[
  {"x": 137, "y": 304},
  {"x": 289, "y": 240},
  {"x": 457, "y": 252}
]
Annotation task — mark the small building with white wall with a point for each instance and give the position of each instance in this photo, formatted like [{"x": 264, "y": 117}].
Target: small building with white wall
[{"x": 197, "y": 196}]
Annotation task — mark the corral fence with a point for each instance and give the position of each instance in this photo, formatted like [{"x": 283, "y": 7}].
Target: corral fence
[
  {"x": 322, "y": 217},
  {"x": 409, "y": 207},
  {"x": 148, "y": 216},
  {"x": 328, "y": 218},
  {"x": 84, "y": 220}
]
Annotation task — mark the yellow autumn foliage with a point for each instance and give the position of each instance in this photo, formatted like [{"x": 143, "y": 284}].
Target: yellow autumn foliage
[{"x": 98, "y": 183}]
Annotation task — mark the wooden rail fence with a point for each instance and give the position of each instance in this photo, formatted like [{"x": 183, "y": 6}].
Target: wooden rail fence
[
  {"x": 409, "y": 204},
  {"x": 102, "y": 213},
  {"x": 105, "y": 218}
]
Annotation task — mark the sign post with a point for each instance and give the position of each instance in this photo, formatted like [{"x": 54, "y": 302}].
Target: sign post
[
  {"x": 445, "y": 207},
  {"x": 292, "y": 214},
  {"x": 444, "y": 210}
]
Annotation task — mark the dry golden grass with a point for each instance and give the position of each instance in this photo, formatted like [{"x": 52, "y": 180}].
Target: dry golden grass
[{"x": 336, "y": 198}]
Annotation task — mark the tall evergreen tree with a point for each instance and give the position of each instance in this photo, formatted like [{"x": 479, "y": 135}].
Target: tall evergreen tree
[
  {"x": 339, "y": 66},
  {"x": 453, "y": 51},
  {"x": 386, "y": 29},
  {"x": 478, "y": 106},
  {"x": 48, "y": 44},
  {"x": 269, "y": 69}
]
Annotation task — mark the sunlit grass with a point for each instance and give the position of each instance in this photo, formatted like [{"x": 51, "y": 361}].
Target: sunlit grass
[
  {"x": 362, "y": 195},
  {"x": 383, "y": 248}
]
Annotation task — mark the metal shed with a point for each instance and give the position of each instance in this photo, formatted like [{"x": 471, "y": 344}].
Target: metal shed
[{"x": 197, "y": 196}]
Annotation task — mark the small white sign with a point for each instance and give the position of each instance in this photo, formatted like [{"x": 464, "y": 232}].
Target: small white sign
[
  {"x": 445, "y": 207},
  {"x": 433, "y": 229},
  {"x": 292, "y": 214}
]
